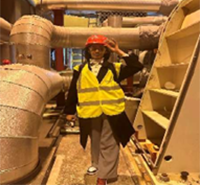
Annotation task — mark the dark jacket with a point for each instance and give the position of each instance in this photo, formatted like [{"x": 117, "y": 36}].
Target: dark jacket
[{"x": 120, "y": 124}]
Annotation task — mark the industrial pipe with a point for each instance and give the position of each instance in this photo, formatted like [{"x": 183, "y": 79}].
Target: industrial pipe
[
  {"x": 160, "y": 6},
  {"x": 34, "y": 35},
  {"x": 5, "y": 28},
  {"x": 67, "y": 78},
  {"x": 133, "y": 21},
  {"x": 25, "y": 90},
  {"x": 144, "y": 37},
  {"x": 32, "y": 38},
  {"x": 115, "y": 21},
  {"x": 76, "y": 37}
]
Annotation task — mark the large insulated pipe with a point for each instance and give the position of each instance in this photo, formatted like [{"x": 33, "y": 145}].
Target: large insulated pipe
[
  {"x": 143, "y": 37},
  {"x": 133, "y": 21},
  {"x": 32, "y": 38},
  {"x": 160, "y": 6},
  {"x": 33, "y": 35},
  {"x": 24, "y": 92},
  {"x": 5, "y": 28},
  {"x": 115, "y": 21}
]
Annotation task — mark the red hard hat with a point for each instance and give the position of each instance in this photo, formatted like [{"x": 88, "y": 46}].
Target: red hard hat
[
  {"x": 6, "y": 61},
  {"x": 96, "y": 39}
]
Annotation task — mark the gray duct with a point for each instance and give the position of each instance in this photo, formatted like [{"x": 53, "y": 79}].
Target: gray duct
[
  {"x": 25, "y": 90},
  {"x": 5, "y": 28},
  {"x": 160, "y": 6}
]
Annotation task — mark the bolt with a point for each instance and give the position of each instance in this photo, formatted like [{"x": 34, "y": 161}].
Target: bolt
[
  {"x": 184, "y": 175},
  {"x": 164, "y": 177}
]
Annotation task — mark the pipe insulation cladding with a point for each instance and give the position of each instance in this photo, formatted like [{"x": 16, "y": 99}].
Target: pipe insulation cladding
[
  {"x": 133, "y": 21},
  {"x": 24, "y": 92},
  {"x": 160, "y": 6},
  {"x": 33, "y": 37}
]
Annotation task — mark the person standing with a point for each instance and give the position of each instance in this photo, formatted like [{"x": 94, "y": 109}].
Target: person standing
[{"x": 95, "y": 94}]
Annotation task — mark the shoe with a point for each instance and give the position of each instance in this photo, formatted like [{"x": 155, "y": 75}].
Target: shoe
[
  {"x": 101, "y": 181},
  {"x": 92, "y": 170}
]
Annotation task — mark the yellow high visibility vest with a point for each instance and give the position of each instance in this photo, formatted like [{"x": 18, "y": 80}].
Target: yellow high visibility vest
[{"x": 95, "y": 98}]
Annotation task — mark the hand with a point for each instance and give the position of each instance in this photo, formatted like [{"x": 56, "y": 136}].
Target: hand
[
  {"x": 71, "y": 117},
  {"x": 113, "y": 46}
]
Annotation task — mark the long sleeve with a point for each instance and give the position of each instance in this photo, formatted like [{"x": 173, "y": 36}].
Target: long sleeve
[
  {"x": 72, "y": 99},
  {"x": 132, "y": 66}
]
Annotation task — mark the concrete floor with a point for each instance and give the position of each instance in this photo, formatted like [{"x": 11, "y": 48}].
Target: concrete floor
[{"x": 72, "y": 161}]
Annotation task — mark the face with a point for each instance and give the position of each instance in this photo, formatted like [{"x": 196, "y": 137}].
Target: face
[{"x": 97, "y": 51}]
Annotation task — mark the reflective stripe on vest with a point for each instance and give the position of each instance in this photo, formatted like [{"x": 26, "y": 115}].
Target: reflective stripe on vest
[
  {"x": 103, "y": 102},
  {"x": 95, "y": 89},
  {"x": 95, "y": 98}
]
